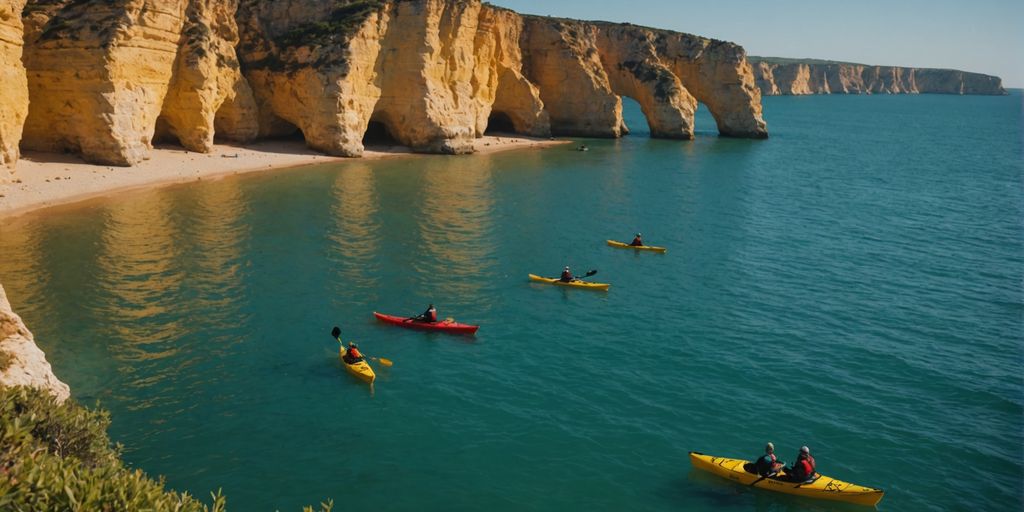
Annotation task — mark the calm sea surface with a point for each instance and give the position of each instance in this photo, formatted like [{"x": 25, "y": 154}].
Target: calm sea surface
[{"x": 853, "y": 283}]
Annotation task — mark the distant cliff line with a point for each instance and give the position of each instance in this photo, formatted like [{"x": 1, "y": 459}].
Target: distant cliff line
[
  {"x": 106, "y": 79},
  {"x": 782, "y": 76}
]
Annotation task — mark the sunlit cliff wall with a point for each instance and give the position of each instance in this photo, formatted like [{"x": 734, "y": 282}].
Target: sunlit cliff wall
[{"x": 108, "y": 78}]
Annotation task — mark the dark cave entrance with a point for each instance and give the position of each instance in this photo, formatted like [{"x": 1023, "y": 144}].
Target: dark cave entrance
[
  {"x": 378, "y": 134},
  {"x": 500, "y": 122}
]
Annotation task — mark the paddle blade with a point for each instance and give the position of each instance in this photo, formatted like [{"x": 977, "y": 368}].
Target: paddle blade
[
  {"x": 336, "y": 331},
  {"x": 590, "y": 273},
  {"x": 385, "y": 362}
]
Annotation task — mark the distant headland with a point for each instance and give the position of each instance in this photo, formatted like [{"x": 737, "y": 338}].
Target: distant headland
[{"x": 782, "y": 76}]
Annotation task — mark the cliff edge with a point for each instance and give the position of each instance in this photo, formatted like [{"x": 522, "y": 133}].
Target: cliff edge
[
  {"x": 779, "y": 76},
  {"x": 25, "y": 364}
]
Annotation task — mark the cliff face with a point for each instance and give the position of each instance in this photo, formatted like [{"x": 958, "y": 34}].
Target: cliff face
[
  {"x": 428, "y": 73},
  {"x": 106, "y": 79},
  {"x": 103, "y": 75},
  {"x": 207, "y": 93},
  {"x": 785, "y": 76},
  {"x": 28, "y": 366},
  {"x": 432, "y": 74},
  {"x": 14, "y": 89}
]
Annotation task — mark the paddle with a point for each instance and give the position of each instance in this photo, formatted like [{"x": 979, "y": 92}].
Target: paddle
[
  {"x": 336, "y": 332},
  {"x": 588, "y": 274}
]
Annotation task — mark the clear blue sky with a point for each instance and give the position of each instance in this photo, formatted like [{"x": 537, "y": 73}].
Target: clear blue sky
[{"x": 986, "y": 36}]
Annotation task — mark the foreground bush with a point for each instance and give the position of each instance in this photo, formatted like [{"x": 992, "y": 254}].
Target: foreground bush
[{"x": 58, "y": 457}]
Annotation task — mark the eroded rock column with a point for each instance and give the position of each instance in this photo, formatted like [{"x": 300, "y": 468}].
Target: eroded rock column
[
  {"x": 206, "y": 79},
  {"x": 718, "y": 75},
  {"x": 98, "y": 73},
  {"x": 562, "y": 58},
  {"x": 634, "y": 69},
  {"x": 313, "y": 66}
]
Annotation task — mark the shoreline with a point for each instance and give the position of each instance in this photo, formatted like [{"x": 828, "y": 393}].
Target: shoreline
[{"x": 45, "y": 180}]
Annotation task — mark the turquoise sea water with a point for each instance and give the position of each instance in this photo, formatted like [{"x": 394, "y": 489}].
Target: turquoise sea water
[{"x": 852, "y": 283}]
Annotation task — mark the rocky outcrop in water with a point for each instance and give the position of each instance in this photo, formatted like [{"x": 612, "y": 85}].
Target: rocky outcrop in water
[
  {"x": 794, "y": 77},
  {"x": 26, "y": 365},
  {"x": 107, "y": 78}
]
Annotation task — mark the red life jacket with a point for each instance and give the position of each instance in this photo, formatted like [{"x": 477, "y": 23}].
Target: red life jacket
[
  {"x": 566, "y": 276},
  {"x": 354, "y": 353},
  {"x": 433, "y": 315},
  {"x": 807, "y": 466}
]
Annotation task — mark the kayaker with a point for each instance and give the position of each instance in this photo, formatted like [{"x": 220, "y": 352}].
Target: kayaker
[
  {"x": 352, "y": 355},
  {"x": 768, "y": 464},
  {"x": 637, "y": 241},
  {"x": 566, "y": 276},
  {"x": 428, "y": 316},
  {"x": 804, "y": 467}
]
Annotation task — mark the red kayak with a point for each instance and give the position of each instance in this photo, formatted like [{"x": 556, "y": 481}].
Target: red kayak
[{"x": 443, "y": 325}]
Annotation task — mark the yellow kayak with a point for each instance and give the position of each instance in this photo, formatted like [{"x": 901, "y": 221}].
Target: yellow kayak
[
  {"x": 573, "y": 284},
  {"x": 360, "y": 369},
  {"x": 651, "y": 248},
  {"x": 822, "y": 487}
]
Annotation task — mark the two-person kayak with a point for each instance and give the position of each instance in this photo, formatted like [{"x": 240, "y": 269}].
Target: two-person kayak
[
  {"x": 821, "y": 487},
  {"x": 651, "y": 248},
  {"x": 572, "y": 284},
  {"x": 449, "y": 326},
  {"x": 361, "y": 369}
]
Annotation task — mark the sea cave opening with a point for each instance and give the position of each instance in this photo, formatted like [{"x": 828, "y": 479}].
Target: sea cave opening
[
  {"x": 500, "y": 123},
  {"x": 704, "y": 123},
  {"x": 378, "y": 134},
  {"x": 164, "y": 134},
  {"x": 634, "y": 119}
]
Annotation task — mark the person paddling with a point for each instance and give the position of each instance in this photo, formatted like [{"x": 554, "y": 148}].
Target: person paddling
[
  {"x": 352, "y": 354},
  {"x": 637, "y": 241},
  {"x": 567, "y": 276},
  {"x": 428, "y": 316},
  {"x": 768, "y": 464},
  {"x": 804, "y": 467}
]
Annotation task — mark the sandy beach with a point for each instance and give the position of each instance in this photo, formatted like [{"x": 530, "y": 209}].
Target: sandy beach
[{"x": 41, "y": 180}]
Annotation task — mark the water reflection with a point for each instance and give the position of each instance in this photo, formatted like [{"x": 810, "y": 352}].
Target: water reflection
[
  {"x": 24, "y": 273},
  {"x": 455, "y": 224},
  {"x": 215, "y": 237},
  {"x": 356, "y": 227},
  {"x": 138, "y": 285}
]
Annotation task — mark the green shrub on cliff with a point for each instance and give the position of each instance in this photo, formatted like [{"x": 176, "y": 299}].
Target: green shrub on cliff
[{"x": 58, "y": 457}]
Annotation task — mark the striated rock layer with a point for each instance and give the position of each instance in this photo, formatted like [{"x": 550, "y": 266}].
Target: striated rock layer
[
  {"x": 27, "y": 364},
  {"x": 794, "y": 77},
  {"x": 13, "y": 84}
]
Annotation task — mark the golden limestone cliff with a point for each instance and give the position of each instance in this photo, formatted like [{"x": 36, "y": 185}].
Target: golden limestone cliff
[
  {"x": 98, "y": 73},
  {"x": 103, "y": 75},
  {"x": 13, "y": 84},
  {"x": 107, "y": 78},
  {"x": 207, "y": 92},
  {"x": 777, "y": 76},
  {"x": 426, "y": 73}
]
